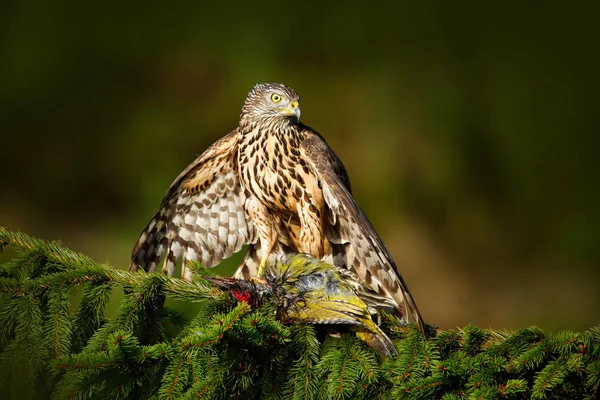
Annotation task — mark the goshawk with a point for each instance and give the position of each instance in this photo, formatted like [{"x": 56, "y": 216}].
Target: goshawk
[{"x": 275, "y": 185}]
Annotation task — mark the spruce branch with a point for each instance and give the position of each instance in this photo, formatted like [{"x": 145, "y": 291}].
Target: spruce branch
[{"x": 234, "y": 350}]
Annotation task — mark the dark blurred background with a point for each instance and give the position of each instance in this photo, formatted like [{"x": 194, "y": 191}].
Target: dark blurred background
[{"x": 469, "y": 131}]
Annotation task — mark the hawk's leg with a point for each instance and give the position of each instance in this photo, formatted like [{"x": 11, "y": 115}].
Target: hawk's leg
[
  {"x": 267, "y": 225},
  {"x": 312, "y": 238}
]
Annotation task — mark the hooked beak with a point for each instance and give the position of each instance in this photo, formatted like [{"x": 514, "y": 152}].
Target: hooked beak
[{"x": 293, "y": 109}]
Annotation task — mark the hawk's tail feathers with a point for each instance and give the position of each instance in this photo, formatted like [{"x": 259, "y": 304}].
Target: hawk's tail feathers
[
  {"x": 248, "y": 268},
  {"x": 249, "y": 265}
]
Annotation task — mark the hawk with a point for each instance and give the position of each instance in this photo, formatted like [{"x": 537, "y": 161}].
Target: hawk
[{"x": 275, "y": 185}]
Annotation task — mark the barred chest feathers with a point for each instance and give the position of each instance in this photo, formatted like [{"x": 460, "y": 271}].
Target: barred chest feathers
[{"x": 272, "y": 170}]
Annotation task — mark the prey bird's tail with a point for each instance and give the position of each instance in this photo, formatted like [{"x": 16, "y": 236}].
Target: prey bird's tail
[{"x": 378, "y": 341}]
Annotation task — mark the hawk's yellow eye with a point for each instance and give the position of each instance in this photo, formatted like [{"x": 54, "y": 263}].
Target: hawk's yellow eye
[{"x": 276, "y": 98}]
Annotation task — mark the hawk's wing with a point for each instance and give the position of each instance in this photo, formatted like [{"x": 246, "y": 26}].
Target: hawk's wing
[
  {"x": 202, "y": 216},
  {"x": 356, "y": 245}
]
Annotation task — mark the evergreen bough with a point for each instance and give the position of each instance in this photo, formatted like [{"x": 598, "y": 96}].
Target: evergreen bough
[{"x": 53, "y": 346}]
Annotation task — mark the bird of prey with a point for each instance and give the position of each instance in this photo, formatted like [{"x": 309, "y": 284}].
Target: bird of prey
[
  {"x": 307, "y": 290},
  {"x": 275, "y": 185}
]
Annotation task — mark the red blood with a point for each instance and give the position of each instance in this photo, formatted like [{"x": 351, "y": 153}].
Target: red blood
[{"x": 241, "y": 296}]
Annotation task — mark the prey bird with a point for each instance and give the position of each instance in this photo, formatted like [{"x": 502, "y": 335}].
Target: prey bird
[
  {"x": 275, "y": 185},
  {"x": 307, "y": 290}
]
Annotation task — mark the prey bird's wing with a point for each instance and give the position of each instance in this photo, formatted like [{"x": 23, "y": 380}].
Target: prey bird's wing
[
  {"x": 330, "y": 311},
  {"x": 356, "y": 245},
  {"x": 202, "y": 216}
]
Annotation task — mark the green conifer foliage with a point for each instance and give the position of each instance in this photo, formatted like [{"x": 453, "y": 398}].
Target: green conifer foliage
[{"x": 53, "y": 347}]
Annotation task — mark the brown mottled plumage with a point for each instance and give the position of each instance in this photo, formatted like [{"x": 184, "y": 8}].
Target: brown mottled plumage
[{"x": 274, "y": 184}]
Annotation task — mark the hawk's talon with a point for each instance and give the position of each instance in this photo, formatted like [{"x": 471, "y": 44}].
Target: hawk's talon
[
  {"x": 261, "y": 267},
  {"x": 257, "y": 280}
]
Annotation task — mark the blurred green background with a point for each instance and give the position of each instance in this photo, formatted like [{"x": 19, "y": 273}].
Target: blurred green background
[{"x": 469, "y": 131}]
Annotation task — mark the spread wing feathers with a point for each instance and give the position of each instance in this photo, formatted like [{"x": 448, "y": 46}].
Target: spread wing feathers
[
  {"x": 356, "y": 245},
  {"x": 372, "y": 299},
  {"x": 202, "y": 216}
]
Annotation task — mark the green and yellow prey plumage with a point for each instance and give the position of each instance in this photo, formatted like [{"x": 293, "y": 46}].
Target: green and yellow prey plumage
[{"x": 308, "y": 290}]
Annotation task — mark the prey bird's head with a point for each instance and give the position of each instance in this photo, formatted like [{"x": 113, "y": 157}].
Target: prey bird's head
[{"x": 273, "y": 102}]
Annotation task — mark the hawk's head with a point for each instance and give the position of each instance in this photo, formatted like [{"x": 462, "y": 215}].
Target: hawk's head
[{"x": 272, "y": 101}]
